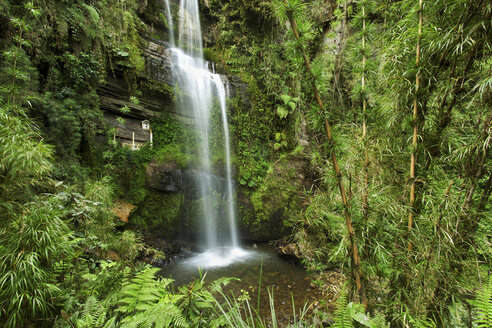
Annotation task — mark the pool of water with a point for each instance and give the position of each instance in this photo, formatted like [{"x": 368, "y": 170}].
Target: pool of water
[{"x": 286, "y": 279}]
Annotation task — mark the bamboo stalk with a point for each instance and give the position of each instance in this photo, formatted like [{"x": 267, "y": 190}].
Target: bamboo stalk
[
  {"x": 365, "y": 196},
  {"x": 415, "y": 128},
  {"x": 338, "y": 173}
]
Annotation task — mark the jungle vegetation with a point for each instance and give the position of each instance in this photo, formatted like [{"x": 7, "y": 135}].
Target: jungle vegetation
[{"x": 389, "y": 101}]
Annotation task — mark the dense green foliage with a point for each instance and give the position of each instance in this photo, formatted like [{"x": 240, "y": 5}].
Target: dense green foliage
[
  {"x": 453, "y": 156},
  {"x": 451, "y": 232},
  {"x": 66, "y": 261}
]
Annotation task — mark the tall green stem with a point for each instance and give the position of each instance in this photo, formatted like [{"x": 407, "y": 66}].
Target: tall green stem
[
  {"x": 337, "y": 171},
  {"x": 415, "y": 128}
]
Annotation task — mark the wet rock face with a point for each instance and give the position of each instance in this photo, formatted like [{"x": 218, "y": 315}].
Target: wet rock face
[
  {"x": 174, "y": 204},
  {"x": 256, "y": 225},
  {"x": 237, "y": 88},
  {"x": 158, "y": 62},
  {"x": 170, "y": 179},
  {"x": 165, "y": 177},
  {"x": 166, "y": 180},
  {"x": 255, "y": 230}
]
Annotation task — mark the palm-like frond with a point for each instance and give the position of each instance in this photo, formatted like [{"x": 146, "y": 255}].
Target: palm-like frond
[
  {"x": 342, "y": 317},
  {"x": 483, "y": 305}
]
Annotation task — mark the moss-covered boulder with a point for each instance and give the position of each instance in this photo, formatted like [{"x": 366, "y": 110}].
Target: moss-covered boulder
[
  {"x": 265, "y": 213},
  {"x": 159, "y": 212}
]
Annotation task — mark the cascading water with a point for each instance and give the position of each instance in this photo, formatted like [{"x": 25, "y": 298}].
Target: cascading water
[
  {"x": 231, "y": 210},
  {"x": 170, "y": 24},
  {"x": 201, "y": 87}
]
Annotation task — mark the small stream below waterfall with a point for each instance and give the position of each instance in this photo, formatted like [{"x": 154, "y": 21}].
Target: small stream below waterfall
[{"x": 285, "y": 277}]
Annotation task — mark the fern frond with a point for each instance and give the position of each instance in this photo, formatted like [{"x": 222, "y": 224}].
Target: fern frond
[
  {"x": 111, "y": 323},
  {"x": 217, "y": 285},
  {"x": 483, "y": 304},
  {"x": 420, "y": 322},
  {"x": 341, "y": 316}
]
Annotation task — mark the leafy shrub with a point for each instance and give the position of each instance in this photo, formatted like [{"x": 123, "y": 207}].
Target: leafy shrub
[
  {"x": 29, "y": 248},
  {"x": 128, "y": 244}
]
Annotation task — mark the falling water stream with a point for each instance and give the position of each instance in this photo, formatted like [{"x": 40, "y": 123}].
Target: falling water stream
[
  {"x": 231, "y": 208},
  {"x": 202, "y": 88},
  {"x": 170, "y": 25}
]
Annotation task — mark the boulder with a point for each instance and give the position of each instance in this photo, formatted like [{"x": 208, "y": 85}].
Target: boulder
[
  {"x": 123, "y": 210},
  {"x": 265, "y": 211}
]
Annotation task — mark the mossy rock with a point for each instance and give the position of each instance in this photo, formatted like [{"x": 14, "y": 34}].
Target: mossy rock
[
  {"x": 159, "y": 211},
  {"x": 265, "y": 215}
]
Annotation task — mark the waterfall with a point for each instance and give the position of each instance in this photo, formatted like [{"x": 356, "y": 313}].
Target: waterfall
[
  {"x": 201, "y": 88},
  {"x": 190, "y": 31},
  {"x": 170, "y": 24},
  {"x": 231, "y": 208}
]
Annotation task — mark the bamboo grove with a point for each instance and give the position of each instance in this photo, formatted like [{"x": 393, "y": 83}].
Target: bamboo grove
[{"x": 433, "y": 109}]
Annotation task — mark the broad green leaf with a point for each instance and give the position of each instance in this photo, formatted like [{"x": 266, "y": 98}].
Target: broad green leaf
[{"x": 282, "y": 112}]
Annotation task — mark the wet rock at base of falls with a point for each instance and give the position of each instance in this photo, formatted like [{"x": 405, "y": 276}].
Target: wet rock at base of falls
[
  {"x": 290, "y": 251},
  {"x": 161, "y": 252}
]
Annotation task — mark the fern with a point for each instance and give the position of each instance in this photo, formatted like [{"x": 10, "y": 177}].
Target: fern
[
  {"x": 146, "y": 302},
  {"x": 483, "y": 304},
  {"x": 216, "y": 285},
  {"x": 342, "y": 317},
  {"x": 92, "y": 12},
  {"x": 421, "y": 322},
  {"x": 95, "y": 315},
  {"x": 159, "y": 315}
]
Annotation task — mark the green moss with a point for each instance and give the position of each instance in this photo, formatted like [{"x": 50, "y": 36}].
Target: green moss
[
  {"x": 275, "y": 201},
  {"x": 211, "y": 55},
  {"x": 247, "y": 215},
  {"x": 176, "y": 154},
  {"x": 173, "y": 141},
  {"x": 160, "y": 87},
  {"x": 278, "y": 191},
  {"x": 159, "y": 210},
  {"x": 250, "y": 131}
]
